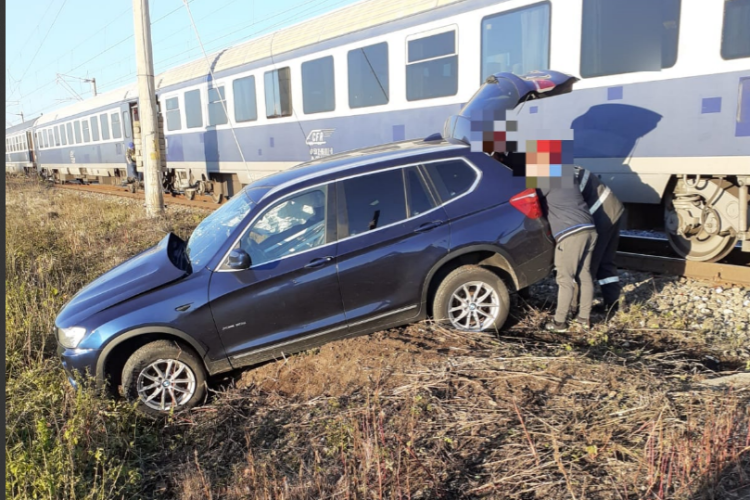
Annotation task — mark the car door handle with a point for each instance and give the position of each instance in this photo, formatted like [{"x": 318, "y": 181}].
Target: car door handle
[
  {"x": 427, "y": 226},
  {"x": 318, "y": 262}
]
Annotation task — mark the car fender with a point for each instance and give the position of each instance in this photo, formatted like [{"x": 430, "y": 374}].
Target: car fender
[
  {"x": 509, "y": 264},
  {"x": 145, "y": 330}
]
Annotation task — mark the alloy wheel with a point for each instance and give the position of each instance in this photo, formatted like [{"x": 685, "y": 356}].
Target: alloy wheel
[
  {"x": 473, "y": 306},
  {"x": 166, "y": 384}
]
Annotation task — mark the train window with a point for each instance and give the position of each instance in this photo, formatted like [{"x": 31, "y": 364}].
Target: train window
[
  {"x": 85, "y": 128},
  {"x": 193, "y": 114},
  {"x": 245, "y": 105},
  {"x": 735, "y": 34},
  {"x": 69, "y": 126},
  {"x": 56, "y": 132},
  {"x": 105, "y": 126},
  {"x": 63, "y": 139},
  {"x": 115, "y": 119},
  {"x": 368, "y": 76},
  {"x": 39, "y": 143},
  {"x": 516, "y": 41},
  {"x": 77, "y": 128},
  {"x": 46, "y": 137},
  {"x": 317, "y": 86},
  {"x": 174, "y": 122},
  {"x": 624, "y": 36},
  {"x": 432, "y": 67},
  {"x": 94, "y": 129},
  {"x": 217, "y": 106},
  {"x": 126, "y": 123},
  {"x": 278, "y": 85}
]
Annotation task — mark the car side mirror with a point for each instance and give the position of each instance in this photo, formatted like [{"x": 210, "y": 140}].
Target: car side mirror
[{"x": 238, "y": 259}]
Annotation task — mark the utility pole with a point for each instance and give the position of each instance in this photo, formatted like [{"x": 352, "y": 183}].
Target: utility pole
[{"x": 147, "y": 110}]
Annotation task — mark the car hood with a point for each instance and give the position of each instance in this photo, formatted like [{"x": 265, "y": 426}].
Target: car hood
[{"x": 152, "y": 268}]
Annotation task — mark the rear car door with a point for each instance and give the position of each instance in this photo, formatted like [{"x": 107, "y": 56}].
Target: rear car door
[
  {"x": 391, "y": 232},
  {"x": 290, "y": 294}
]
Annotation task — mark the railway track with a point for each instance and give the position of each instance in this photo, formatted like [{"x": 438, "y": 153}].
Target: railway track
[
  {"x": 635, "y": 253},
  {"x": 203, "y": 202},
  {"x": 654, "y": 255}
]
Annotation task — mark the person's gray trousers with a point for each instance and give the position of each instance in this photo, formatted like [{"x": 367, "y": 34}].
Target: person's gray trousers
[{"x": 573, "y": 262}]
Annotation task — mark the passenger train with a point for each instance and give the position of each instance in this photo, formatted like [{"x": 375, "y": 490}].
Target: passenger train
[{"x": 661, "y": 112}]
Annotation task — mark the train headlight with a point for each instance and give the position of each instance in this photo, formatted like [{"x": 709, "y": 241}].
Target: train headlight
[{"x": 70, "y": 337}]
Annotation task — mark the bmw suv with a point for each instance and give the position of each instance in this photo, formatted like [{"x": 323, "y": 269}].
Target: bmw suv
[{"x": 341, "y": 246}]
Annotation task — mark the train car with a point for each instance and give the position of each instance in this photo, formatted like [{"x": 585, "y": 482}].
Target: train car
[
  {"x": 88, "y": 140},
  {"x": 19, "y": 148},
  {"x": 661, "y": 113}
]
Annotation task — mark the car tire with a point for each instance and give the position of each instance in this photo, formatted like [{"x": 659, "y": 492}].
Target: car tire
[
  {"x": 183, "y": 388},
  {"x": 469, "y": 282}
]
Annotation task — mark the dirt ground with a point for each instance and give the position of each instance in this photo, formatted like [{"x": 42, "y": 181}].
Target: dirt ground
[{"x": 641, "y": 407}]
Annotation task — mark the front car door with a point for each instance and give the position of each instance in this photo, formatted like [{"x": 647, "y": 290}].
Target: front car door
[
  {"x": 290, "y": 295},
  {"x": 391, "y": 232}
]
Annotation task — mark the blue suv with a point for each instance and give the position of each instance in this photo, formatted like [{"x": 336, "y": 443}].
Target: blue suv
[{"x": 342, "y": 246}]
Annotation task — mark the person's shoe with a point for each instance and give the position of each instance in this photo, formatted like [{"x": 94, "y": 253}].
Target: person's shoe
[
  {"x": 585, "y": 323},
  {"x": 554, "y": 326}
]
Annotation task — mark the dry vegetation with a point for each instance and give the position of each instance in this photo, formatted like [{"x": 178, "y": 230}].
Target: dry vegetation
[{"x": 417, "y": 412}]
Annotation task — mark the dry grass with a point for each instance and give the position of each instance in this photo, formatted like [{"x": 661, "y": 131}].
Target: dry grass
[{"x": 417, "y": 412}]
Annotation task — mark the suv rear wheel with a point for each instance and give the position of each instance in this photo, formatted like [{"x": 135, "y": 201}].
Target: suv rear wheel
[
  {"x": 163, "y": 376},
  {"x": 472, "y": 298}
]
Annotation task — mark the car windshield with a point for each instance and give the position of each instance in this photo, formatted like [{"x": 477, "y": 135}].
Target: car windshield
[{"x": 215, "y": 229}]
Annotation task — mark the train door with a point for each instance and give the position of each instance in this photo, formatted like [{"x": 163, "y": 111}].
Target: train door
[{"x": 138, "y": 139}]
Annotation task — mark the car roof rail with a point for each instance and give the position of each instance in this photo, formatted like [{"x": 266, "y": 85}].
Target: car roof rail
[{"x": 433, "y": 137}]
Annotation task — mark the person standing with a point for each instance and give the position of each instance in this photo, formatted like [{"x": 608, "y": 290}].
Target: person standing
[
  {"x": 575, "y": 237},
  {"x": 607, "y": 211}
]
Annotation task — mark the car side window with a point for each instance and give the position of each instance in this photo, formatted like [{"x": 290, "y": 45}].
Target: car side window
[
  {"x": 451, "y": 178},
  {"x": 372, "y": 201},
  {"x": 289, "y": 227},
  {"x": 417, "y": 194}
]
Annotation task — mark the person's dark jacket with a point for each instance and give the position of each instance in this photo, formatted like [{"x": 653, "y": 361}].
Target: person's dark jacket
[
  {"x": 604, "y": 205},
  {"x": 566, "y": 211}
]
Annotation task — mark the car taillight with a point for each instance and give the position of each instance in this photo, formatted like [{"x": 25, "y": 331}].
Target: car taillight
[{"x": 527, "y": 202}]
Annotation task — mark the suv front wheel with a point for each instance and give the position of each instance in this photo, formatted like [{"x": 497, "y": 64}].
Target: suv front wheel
[
  {"x": 472, "y": 298},
  {"x": 163, "y": 376}
]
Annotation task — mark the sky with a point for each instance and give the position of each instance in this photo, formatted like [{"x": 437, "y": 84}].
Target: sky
[{"x": 94, "y": 39}]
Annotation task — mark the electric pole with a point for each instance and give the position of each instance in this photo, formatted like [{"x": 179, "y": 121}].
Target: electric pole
[{"x": 147, "y": 110}]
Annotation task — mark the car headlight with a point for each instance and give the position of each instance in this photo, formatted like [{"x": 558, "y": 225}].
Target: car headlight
[{"x": 71, "y": 337}]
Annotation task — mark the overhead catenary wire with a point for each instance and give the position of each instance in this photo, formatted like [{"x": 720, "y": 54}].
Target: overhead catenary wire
[
  {"x": 31, "y": 33},
  {"x": 41, "y": 44},
  {"x": 116, "y": 44},
  {"x": 255, "y": 33}
]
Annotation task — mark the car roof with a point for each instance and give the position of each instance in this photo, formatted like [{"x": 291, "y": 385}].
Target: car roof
[{"x": 351, "y": 162}]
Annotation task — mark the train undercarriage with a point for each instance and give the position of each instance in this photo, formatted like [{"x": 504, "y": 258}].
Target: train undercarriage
[{"x": 706, "y": 216}]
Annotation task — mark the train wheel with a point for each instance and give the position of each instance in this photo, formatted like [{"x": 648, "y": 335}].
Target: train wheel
[
  {"x": 132, "y": 187},
  {"x": 704, "y": 246}
]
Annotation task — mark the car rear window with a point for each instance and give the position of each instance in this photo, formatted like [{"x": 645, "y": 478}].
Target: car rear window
[
  {"x": 451, "y": 178},
  {"x": 373, "y": 201}
]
